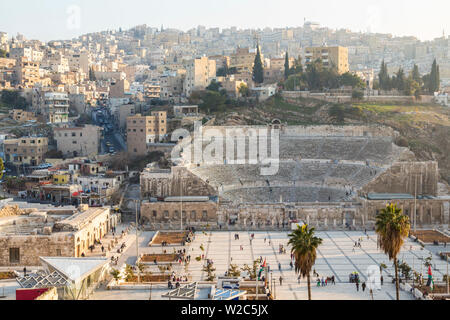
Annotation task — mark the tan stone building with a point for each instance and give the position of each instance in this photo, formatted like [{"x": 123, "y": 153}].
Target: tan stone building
[
  {"x": 122, "y": 113},
  {"x": 196, "y": 211},
  {"x": 331, "y": 57},
  {"x": 199, "y": 74},
  {"x": 27, "y": 73},
  {"x": 118, "y": 88},
  {"x": 142, "y": 130},
  {"x": 21, "y": 115},
  {"x": 243, "y": 60},
  {"x": 27, "y": 235},
  {"x": 26, "y": 150},
  {"x": 78, "y": 142}
]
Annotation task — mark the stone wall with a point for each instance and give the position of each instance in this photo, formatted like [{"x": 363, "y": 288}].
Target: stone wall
[
  {"x": 362, "y": 214},
  {"x": 165, "y": 212},
  {"x": 292, "y": 95},
  {"x": 9, "y": 211},
  {"x": 33, "y": 246},
  {"x": 402, "y": 176}
]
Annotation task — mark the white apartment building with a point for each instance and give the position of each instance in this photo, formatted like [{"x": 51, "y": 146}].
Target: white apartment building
[{"x": 56, "y": 107}]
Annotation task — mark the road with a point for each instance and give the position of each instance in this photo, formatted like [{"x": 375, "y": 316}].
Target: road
[{"x": 112, "y": 138}]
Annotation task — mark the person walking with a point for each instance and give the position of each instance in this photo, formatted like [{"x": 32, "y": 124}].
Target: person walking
[
  {"x": 323, "y": 282},
  {"x": 292, "y": 265},
  {"x": 281, "y": 280},
  {"x": 299, "y": 278},
  {"x": 357, "y": 285},
  {"x": 279, "y": 266},
  {"x": 363, "y": 286}
]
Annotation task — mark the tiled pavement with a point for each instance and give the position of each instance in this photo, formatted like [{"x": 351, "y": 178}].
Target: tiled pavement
[{"x": 336, "y": 256}]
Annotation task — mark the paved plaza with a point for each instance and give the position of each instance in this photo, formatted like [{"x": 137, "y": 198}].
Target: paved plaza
[{"x": 336, "y": 256}]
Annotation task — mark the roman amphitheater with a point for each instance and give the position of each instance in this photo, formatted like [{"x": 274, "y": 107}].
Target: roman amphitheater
[{"x": 328, "y": 176}]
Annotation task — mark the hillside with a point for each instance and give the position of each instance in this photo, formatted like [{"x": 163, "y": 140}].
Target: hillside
[{"x": 424, "y": 128}]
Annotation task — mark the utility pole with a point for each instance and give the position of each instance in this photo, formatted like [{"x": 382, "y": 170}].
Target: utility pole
[
  {"x": 181, "y": 209},
  {"x": 415, "y": 202},
  {"x": 137, "y": 242},
  {"x": 257, "y": 285},
  {"x": 448, "y": 291}
]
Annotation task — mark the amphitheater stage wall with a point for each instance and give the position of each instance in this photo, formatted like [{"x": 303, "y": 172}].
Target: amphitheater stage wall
[
  {"x": 175, "y": 182},
  {"x": 430, "y": 212}
]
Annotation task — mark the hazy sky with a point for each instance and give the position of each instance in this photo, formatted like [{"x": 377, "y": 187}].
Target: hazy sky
[{"x": 65, "y": 19}]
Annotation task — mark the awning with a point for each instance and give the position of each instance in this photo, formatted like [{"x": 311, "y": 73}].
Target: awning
[{"x": 74, "y": 269}]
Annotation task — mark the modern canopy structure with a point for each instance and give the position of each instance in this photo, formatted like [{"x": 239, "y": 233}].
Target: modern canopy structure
[{"x": 75, "y": 278}]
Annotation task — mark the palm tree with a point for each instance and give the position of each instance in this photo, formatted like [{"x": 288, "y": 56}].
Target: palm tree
[
  {"x": 392, "y": 227},
  {"x": 304, "y": 245}
]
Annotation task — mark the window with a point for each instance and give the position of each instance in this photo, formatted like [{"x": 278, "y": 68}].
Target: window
[
  {"x": 166, "y": 214},
  {"x": 204, "y": 214},
  {"x": 155, "y": 214},
  {"x": 58, "y": 253},
  {"x": 193, "y": 215},
  {"x": 14, "y": 255}
]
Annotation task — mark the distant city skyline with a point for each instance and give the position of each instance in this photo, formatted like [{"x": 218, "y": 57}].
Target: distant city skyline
[{"x": 58, "y": 20}]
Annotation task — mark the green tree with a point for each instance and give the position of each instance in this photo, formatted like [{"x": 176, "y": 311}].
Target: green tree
[
  {"x": 243, "y": 90},
  {"x": 233, "y": 271},
  {"x": 433, "y": 81},
  {"x": 415, "y": 75},
  {"x": 3, "y": 53},
  {"x": 258, "y": 69},
  {"x": 399, "y": 80},
  {"x": 253, "y": 270},
  {"x": 392, "y": 226},
  {"x": 129, "y": 273},
  {"x": 115, "y": 274},
  {"x": 286, "y": 66},
  {"x": 357, "y": 95},
  {"x": 12, "y": 99},
  {"x": 351, "y": 80},
  {"x": 209, "y": 269},
  {"x": 304, "y": 247},
  {"x": 383, "y": 77},
  {"x": 214, "y": 86},
  {"x": 92, "y": 75},
  {"x": 297, "y": 67},
  {"x": 212, "y": 102}
]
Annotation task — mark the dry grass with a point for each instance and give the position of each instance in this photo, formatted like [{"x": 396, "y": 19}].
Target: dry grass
[
  {"x": 159, "y": 257},
  {"x": 7, "y": 275},
  {"x": 429, "y": 236},
  {"x": 170, "y": 237},
  {"x": 145, "y": 278}
]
